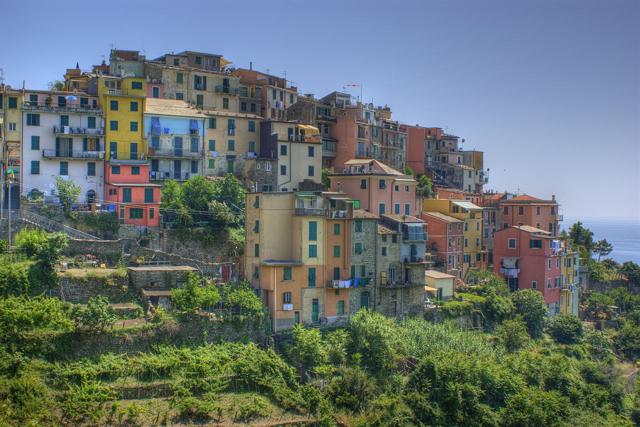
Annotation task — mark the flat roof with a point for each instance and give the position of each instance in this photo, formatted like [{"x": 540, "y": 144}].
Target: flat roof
[
  {"x": 403, "y": 218},
  {"x": 435, "y": 274},
  {"x": 466, "y": 205},
  {"x": 171, "y": 107},
  {"x": 163, "y": 268},
  {"x": 442, "y": 217},
  {"x": 530, "y": 229}
]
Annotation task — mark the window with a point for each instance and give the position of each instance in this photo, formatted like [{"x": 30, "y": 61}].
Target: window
[
  {"x": 311, "y": 170},
  {"x": 91, "y": 122},
  {"x": 381, "y": 208},
  {"x": 336, "y": 273},
  {"x": 363, "y": 184},
  {"x": 311, "y": 151},
  {"x": 313, "y": 251},
  {"x": 283, "y": 169},
  {"x": 33, "y": 119},
  {"x": 252, "y": 125},
  {"x": 179, "y": 95},
  {"x": 534, "y": 284},
  {"x": 115, "y": 170},
  {"x": 286, "y": 274},
  {"x": 12, "y": 126},
  {"x": 549, "y": 262},
  {"x": 64, "y": 168},
  {"x": 382, "y": 184},
  {"x": 549, "y": 283},
  {"x": 311, "y": 277},
  {"x": 35, "y": 142},
  {"x": 243, "y": 106},
  {"x": 133, "y": 126},
  {"x": 135, "y": 170},
  {"x": 358, "y": 248},
  {"x": 152, "y": 212},
  {"x": 212, "y": 145},
  {"x": 407, "y": 208},
  {"x": 252, "y": 147},
  {"x": 199, "y": 100},
  {"x": 13, "y": 102},
  {"x": 336, "y": 251},
  {"x": 340, "y": 308},
  {"x": 113, "y": 105},
  {"x": 135, "y": 213},
  {"x": 394, "y": 238},
  {"x": 113, "y": 125},
  {"x": 396, "y": 208},
  {"x": 64, "y": 121},
  {"x": 155, "y": 92},
  {"x": 512, "y": 243},
  {"x": 126, "y": 195},
  {"x": 286, "y": 297},
  {"x": 35, "y": 165},
  {"x": 283, "y": 150},
  {"x": 211, "y": 164},
  {"x": 466, "y": 243},
  {"x": 384, "y": 251},
  {"x": 212, "y": 122},
  {"x": 148, "y": 195},
  {"x": 231, "y": 145},
  {"x": 336, "y": 229},
  {"x": 256, "y": 250},
  {"x": 358, "y": 226},
  {"x": 134, "y": 106},
  {"x": 179, "y": 78},
  {"x": 136, "y": 86},
  {"x": 520, "y": 210},
  {"x": 535, "y": 244},
  {"x": 194, "y": 166},
  {"x": 225, "y": 103},
  {"x": 313, "y": 230},
  {"x": 91, "y": 169}
]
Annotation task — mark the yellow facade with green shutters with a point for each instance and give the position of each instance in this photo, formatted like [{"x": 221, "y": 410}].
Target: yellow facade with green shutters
[{"x": 123, "y": 103}]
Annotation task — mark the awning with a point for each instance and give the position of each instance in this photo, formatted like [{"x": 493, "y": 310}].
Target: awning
[
  {"x": 309, "y": 130},
  {"x": 510, "y": 262},
  {"x": 430, "y": 289}
]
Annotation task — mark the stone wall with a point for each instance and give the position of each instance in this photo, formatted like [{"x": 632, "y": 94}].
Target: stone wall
[
  {"x": 79, "y": 290},
  {"x": 166, "y": 277},
  {"x": 109, "y": 251}
]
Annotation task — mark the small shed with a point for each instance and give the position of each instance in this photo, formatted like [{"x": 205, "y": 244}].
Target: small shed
[
  {"x": 159, "y": 276},
  {"x": 439, "y": 284}
]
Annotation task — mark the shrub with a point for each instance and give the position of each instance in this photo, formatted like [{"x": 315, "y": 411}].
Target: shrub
[
  {"x": 86, "y": 402},
  {"x": 453, "y": 309},
  {"x": 98, "y": 314},
  {"x": 531, "y": 306},
  {"x": 256, "y": 407},
  {"x": 193, "y": 297},
  {"x": 565, "y": 329},
  {"x": 513, "y": 334},
  {"x": 14, "y": 279}
]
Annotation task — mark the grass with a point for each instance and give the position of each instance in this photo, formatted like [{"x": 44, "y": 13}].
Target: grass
[{"x": 88, "y": 273}]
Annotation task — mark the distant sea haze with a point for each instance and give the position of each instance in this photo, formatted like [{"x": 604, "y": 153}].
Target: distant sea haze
[{"x": 622, "y": 233}]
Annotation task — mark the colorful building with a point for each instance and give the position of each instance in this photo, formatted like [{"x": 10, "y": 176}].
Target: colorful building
[
  {"x": 11, "y": 117},
  {"x": 446, "y": 240},
  {"x": 379, "y": 188},
  {"x": 276, "y": 93},
  {"x": 175, "y": 133},
  {"x": 529, "y": 210},
  {"x": 471, "y": 215},
  {"x": 63, "y": 136},
  {"x": 530, "y": 258}
]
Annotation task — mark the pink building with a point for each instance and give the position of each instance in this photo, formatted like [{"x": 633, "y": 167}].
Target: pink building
[
  {"x": 379, "y": 188},
  {"x": 530, "y": 258},
  {"x": 416, "y": 136},
  {"x": 136, "y": 201},
  {"x": 446, "y": 240}
]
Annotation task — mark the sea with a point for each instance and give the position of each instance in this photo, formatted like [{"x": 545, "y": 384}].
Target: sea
[{"x": 622, "y": 233}]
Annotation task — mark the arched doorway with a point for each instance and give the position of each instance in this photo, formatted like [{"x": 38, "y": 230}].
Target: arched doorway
[{"x": 91, "y": 196}]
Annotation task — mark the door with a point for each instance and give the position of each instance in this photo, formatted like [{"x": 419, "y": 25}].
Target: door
[
  {"x": 315, "y": 310},
  {"x": 364, "y": 300},
  {"x": 134, "y": 150},
  {"x": 414, "y": 253},
  {"x": 177, "y": 169},
  {"x": 113, "y": 150},
  {"x": 296, "y": 317},
  {"x": 178, "y": 146}
]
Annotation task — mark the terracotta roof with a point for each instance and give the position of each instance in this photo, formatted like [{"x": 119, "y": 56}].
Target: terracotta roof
[
  {"x": 362, "y": 214},
  {"x": 171, "y": 107},
  {"x": 375, "y": 164},
  {"x": 384, "y": 230},
  {"x": 525, "y": 198},
  {"x": 442, "y": 217},
  {"x": 495, "y": 197},
  {"x": 403, "y": 218},
  {"x": 530, "y": 229}
]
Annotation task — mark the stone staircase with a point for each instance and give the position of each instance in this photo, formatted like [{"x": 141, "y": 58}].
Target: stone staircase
[{"x": 39, "y": 221}]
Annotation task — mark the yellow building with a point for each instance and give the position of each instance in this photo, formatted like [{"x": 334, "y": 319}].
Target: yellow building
[
  {"x": 11, "y": 131},
  {"x": 569, "y": 294},
  {"x": 123, "y": 103},
  {"x": 231, "y": 139},
  {"x": 471, "y": 214}
]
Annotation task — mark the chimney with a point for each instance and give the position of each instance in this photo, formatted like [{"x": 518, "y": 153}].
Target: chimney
[
  {"x": 251, "y": 66},
  {"x": 553, "y": 197}
]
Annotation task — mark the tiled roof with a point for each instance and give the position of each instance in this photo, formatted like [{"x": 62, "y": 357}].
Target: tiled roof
[
  {"x": 384, "y": 230},
  {"x": 438, "y": 274},
  {"x": 530, "y": 229},
  {"x": 442, "y": 217},
  {"x": 362, "y": 214},
  {"x": 403, "y": 218},
  {"x": 375, "y": 164},
  {"x": 171, "y": 107}
]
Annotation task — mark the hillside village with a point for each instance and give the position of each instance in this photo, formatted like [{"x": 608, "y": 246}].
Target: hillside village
[{"x": 159, "y": 211}]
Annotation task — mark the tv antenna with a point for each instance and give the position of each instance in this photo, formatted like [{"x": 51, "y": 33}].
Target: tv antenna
[{"x": 1, "y": 76}]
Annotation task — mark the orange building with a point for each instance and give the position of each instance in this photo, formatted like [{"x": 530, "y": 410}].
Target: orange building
[
  {"x": 127, "y": 188},
  {"x": 531, "y": 211}
]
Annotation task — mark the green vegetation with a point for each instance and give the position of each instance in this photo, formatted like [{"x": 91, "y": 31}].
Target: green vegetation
[
  {"x": 425, "y": 187},
  {"x": 68, "y": 193}
]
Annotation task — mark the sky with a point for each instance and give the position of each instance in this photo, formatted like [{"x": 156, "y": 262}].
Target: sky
[{"x": 549, "y": 90}]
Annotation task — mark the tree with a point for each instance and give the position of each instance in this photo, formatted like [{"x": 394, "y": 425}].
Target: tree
[
  {"x": 325, "y": 177},
  {"x": 193, "y": 297},
  {"x": 581, "y": 236},
  {"x": 565, "y": 329},
  {"x": 496, "y": 309},
  {"x": 14, "y": 279},
  {"x": 598, "y": 306},
  {"x": 97, "y": 316},
  {"x": 307, "y": 351},
  {"x": 408, "y": 171},
  {"x": 513, "y": 334},
  {"x": 531, "y": 306},
  {"x": 56, "y": 85},
  {"x": 631, "y": 271},
  {"x": 602, "y": 248},
  {"x": 197, "y": 192},
  {"x": 628, "y": 340},
  {"x": 68, "y": 193},
  {"x": 424, "y": 187},
  {"x": 373, "y": 336},
  {"x": 221, "y": 213},
  {"x": 532, "y": 407}
]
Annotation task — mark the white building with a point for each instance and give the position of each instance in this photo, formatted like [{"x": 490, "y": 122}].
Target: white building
[{"x": 63, "y": 135}]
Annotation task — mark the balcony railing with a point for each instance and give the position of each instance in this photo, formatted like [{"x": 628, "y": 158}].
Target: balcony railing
[
  {"x": 54, "y": 107},
  {"x": 311, "y": 212},
  {"x": 125, "y": 92},
  {"x": 227, "y": 89},
  {"x": 81, "y": 155},
  {"x": 361, "y": 154},
  {"x": 166, "y": 175},
  {"x": 175, "y": 152},
  {"x": 329, "y": 148},
  {"x": 127, "y": 156},
  {"x": 71, "y": 130},
  {"x": 349, "y": 283},
  {"x": 414, "y": 237},
  {"x": 509, "y": 272}
]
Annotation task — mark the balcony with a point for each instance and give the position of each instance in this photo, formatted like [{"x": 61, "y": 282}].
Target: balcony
[
  {"x": 325, "y": 117},
  {"x": 53, "y": 107},
  {"x": 416, "y": 260},
  {"x": 363, "y": 154},
  {"x": 349, "y": 283},
  {"x": 79, "y": 155},
  {"x": 328, "y": 148},
  {"x": 137, "y": 93},
  {"x": 75, "y": 131},
  {"x": 173, "y": 153},
  {"x": 510, "y": 272},
  {"x": 414, "y": 236},
  {"x": 310, "y": 212},
  {"x": 168, "y": 175},
  {"x": 127, "y": 157},
  {"x": 227, "y": 89}
]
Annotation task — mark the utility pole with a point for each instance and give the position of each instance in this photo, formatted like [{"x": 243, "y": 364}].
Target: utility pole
[{"x": 9, "y": 213}]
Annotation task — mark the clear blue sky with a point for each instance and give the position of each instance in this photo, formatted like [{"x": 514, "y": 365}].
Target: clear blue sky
[{"x": 549, "y": 90}]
